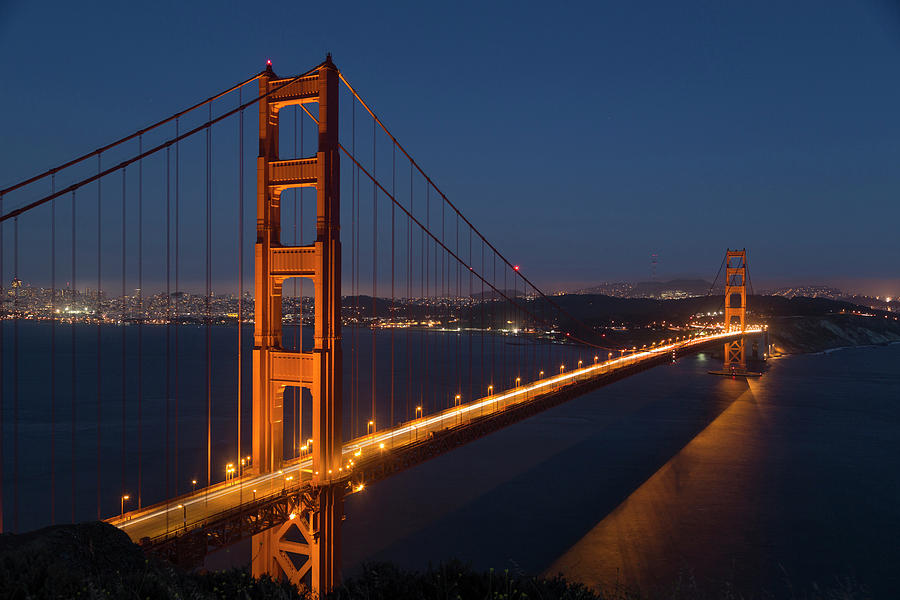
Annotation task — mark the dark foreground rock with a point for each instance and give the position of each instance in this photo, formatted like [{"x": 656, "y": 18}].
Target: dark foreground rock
[{"x": 98, "y": 561}]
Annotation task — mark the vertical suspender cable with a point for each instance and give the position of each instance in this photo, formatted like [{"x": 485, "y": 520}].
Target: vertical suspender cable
[
  {"x": 99, "y": 319},
  {"x": 357, "y": 299},
  {"x": 240, "y": 302},
  {"x": 423, "y": 282},
  {"x": 505, "y": 344},
  {"x": 298, "y": 394},
  {"x": 16, "y": 284},
  {"x": 208, "y": 291},
  {"x": 208, "y": 331},
  {"x": 122, "y": 326},
  {"x": 458, "y": 362},
  {"x": 426, "y": 278},
  {"x": 52, "y": 354},
  {"x": 294, "y": 299},
  {"x": 391, "y": 312},
  {"x": 483, "y": 326},
  {"x": 168, "y": 328},
  {"x": 140, "y": 326},
  {"x": 73, "y": 374},
  {"x": 353, "y": 268},
  {"x": 409, "y": 295},
  {"x": 177, "y": 298},
  {"x": 374, "y": 270},
  {"x": 471, "y": 292},
  {"x": 495, "y": 319}
]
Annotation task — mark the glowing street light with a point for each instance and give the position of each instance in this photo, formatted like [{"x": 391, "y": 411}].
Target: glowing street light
[
  {"x": 184, "y": 515},
  {"x": 370, "y": 428},
  {"x": 124, "y": 498},
  {"x": 193, "y": 485},
  {"x": 418, "y": 412}
]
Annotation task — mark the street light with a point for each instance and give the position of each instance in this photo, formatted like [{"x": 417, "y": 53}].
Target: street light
[
  {"x": 418, "y": 411},
  {"x": 124, "y": 498},
  {"x": 370, "y": 428},
  {"x": 193, "y": 485},
  {"x": 184, "y": 515},
  {"x": 518, "y": 379}
]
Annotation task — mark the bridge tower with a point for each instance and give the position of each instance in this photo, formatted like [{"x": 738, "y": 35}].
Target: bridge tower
[
  {"x": 735, "y": 307},
  {"x": 318, "y": 514}
]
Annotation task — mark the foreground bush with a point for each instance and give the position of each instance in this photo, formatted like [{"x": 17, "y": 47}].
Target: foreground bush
[{"x": 97, "y": 561}]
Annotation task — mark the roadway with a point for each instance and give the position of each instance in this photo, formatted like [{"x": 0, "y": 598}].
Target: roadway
[{"x": 183, "y": 512}]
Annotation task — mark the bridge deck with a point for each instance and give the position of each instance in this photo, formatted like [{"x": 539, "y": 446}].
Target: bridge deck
[{"x": 189, "y": 512}]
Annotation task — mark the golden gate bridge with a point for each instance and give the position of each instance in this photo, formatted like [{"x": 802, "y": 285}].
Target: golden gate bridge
[{"x": 163, "y": 210}]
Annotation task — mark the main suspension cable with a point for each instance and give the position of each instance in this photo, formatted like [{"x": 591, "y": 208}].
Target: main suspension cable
[
  {"x": 127, "y": 138},
  {"x": 150, "y": 152}
]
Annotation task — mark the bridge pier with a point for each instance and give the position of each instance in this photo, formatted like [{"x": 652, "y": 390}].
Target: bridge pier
[{"x": 305, "y": 548}]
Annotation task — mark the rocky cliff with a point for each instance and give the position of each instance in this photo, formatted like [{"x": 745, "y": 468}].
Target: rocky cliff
[{"x": 792, "y": 335}]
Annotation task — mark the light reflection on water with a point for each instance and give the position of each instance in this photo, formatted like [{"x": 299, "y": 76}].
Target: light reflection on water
[
  {"x": 715, "y": 479},
  {"x": 775, "y": 482}
]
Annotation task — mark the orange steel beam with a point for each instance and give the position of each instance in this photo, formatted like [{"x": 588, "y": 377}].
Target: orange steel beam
[{"x": 319, "y": 370}]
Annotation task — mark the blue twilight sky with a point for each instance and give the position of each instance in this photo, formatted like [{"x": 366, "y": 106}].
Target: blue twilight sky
[{"x": 580, "y": 137}]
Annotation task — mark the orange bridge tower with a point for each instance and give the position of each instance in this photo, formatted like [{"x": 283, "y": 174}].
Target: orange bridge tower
[
  {"x": 735, "y": 307},
  {"x": 318, "y": 514}
]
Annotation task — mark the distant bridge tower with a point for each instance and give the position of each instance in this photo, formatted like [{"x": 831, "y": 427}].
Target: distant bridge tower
[
  {"x": 318, "y": 516},
  {"x": 735, "y": 307}
]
